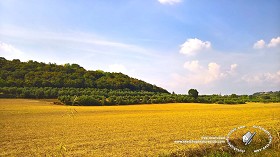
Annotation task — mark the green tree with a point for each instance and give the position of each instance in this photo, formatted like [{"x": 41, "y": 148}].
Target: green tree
[{"x": 193, "y": 93}]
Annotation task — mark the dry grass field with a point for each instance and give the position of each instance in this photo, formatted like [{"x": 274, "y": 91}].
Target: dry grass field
[{"x": 40, "y": 128}]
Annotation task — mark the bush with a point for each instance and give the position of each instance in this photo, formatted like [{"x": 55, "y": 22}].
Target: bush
[
  {"x": 65, "y": 99},
  {"x": 220, "y": 102},
  {"x": 88, "y": 101}
]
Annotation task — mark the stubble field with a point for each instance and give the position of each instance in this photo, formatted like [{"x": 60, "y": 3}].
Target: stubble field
[{"x": 40, "y": 128}]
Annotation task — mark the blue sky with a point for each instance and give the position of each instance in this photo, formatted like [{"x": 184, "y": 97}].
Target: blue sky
[{"x": 217, "y": 46}]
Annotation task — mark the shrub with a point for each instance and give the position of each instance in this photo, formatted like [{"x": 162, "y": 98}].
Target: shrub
[{"x": 88, "y": 101}]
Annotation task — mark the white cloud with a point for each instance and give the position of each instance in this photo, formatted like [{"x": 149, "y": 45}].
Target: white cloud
[
  {"x": 192, "y": 66},
  {"x": 117, "y": 68},
  {"x": 233, "y": 67},
  {"x": 193, "y": 46},
  {"x": 232, "y": 70},
  {"x": 274, "y": 42},
  {"x": 204, "y": 75},
  {"x": 213, "y": 73},
  {"x": 259, "y": 44},
  {"x": 170, "y": 2},
  {"x": 260, "y": 78},
  {"x": 9, "y": 51}
]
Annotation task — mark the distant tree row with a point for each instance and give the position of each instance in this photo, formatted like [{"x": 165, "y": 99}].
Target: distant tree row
[
  {"x": 128, "y": 100},
  {"x": 35, "y": 74},
  {"x": 93, "y": 96},
  {"x": 52, "y": 93}
]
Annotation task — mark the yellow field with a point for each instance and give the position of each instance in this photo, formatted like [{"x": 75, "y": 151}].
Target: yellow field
[{"x": 40, "y": 128}]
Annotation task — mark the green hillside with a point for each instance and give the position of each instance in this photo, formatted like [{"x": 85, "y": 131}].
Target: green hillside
[{"x": 37, "y": 74}]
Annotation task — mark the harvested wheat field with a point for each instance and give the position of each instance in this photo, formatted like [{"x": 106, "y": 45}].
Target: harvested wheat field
[{"x": 40, "y": 128}]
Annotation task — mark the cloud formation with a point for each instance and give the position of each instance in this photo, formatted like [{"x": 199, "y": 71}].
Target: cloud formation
[
  {"x": 117, "y": 68},
  {"x": 274, "y": 42},
  {"x": 194, "y": 46},
  {"x": 204, "y": 75},
  {"x": 259, "y": 44},
  {"x": 192, "y": 66},
  {"x": 170, "y": 2},
  {"x": 268, "y": 78},
  {"x": 233, "y": 68},
  {"x": 9, "y": 51}
]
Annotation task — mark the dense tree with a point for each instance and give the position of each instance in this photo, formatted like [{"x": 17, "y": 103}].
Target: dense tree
[{"x": 193, "y": 93}]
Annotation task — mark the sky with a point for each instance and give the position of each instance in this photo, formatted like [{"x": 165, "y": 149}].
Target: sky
[{"x": 216, "y": 47}]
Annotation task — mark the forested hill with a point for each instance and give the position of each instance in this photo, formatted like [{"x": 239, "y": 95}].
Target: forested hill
[{"x": 35, "y": 74}]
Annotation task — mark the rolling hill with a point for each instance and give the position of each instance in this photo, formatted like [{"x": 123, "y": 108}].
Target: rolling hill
[{"x": 14, "y": 73}]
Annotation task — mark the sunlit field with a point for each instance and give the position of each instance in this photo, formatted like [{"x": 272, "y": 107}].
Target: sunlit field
[{"x": 40, "y": 128}]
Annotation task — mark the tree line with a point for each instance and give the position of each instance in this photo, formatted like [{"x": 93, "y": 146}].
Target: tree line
[{"x": 98, "y": 97}]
